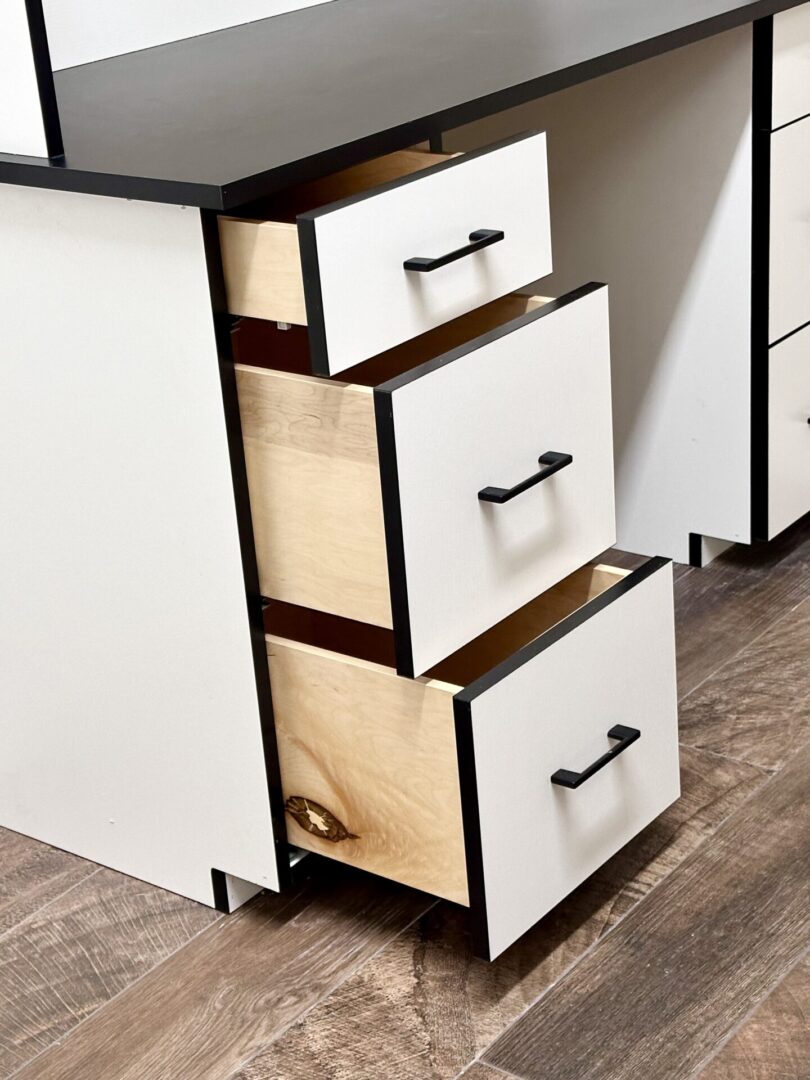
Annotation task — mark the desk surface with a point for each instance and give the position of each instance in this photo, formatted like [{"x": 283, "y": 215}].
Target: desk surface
[{"x": 218, "y": 120}]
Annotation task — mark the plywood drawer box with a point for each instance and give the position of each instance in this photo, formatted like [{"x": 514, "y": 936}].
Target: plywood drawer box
[
  {"x": 790, "y": 51},
  {"x": 474, "y": 783},
  {"x": 470, "y": 228},
  {"x": 788, "y": 432},
  {"x": 372, "y": 501}
]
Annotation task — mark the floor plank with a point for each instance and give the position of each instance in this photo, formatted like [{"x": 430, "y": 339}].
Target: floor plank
[
  {"x": 478, "y": 1071},
  {"x": 675, "y": 977},
  {"x": 69, "y": 958},
  {"x": 774, "y": 1042},
  {"x": 757, "y": 706},
  {"x": 726, "y": 605},
  {"x": 34, "y": 875},
  {"x": 424, "y": 1007},
  {"x": 212, "y": 1005}
]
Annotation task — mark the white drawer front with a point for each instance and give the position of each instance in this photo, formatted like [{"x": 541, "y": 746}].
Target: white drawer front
[
  {"x": 791, "y": 65},
  {"x": 530, "y": 842},
  {"x": 790, "y": 230},
  {"x": 789, "y": 432},
  {"x": 360, "y": 298},
  {"x": 482, "y": 417}
]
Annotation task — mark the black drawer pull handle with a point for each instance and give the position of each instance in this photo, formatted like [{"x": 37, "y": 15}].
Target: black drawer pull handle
[
  {"x": 551, "y": 461},
  {"x": 481, "y": 238},
  {"x": 625, "y": 737}
]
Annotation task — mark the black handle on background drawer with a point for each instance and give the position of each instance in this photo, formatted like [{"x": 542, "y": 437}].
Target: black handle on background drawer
[
  {"x": 551, "y": 461},
  {"x": 626, "y": 736},
  {"x": 481, "y": 238}
]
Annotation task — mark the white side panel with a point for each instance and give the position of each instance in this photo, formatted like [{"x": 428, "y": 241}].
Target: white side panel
[
  {"x": 82, "y": 31},
  {"x": 483, "y": 420},
  {"x": 21, "y": 128},
  {"x": 371, "y": 303},
  {"x": 540, "y": 841},
  {"x": 129, "y": 722},
  {"x": 791, "y": 65},
  {"x": 789, "y": 432},
  {"x": 650, "y": 174},
  {"x": 790, "y": 230}
]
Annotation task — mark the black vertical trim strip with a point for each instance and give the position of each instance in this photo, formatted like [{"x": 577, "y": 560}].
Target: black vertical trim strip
[
  {"x": 236, "y": 450},
  {"x": 221, "y": 901},
  {"x": 762, "y": 83},
  {"x": 313, "y": 296},
  {"x": 394, "y": 540},
  {"x": 471, "y": 819},
  {"x": 695, "y": 549},
  {"x": 44, "y": 71}
]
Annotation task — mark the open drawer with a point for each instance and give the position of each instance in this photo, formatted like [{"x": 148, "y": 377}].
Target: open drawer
[
  {"x": 478, "y": 782},
  {"x": 382, "y": 252},
  {"x": 452, "y": 480}
]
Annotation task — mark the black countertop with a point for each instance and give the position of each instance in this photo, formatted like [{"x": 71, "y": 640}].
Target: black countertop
[{"x": 218, "y": 120}]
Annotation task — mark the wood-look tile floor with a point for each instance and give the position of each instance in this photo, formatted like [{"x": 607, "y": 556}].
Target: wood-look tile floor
[{"x": 685, "y": 956}]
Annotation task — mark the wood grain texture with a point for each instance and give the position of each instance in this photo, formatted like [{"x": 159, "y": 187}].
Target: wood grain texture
[
  {"x": 479, "y": 1071},
  {"x": 425, "y": 1007},
  {"x": 757, "y": 706},
  {"x": 674, "y": 978},
  {"x": 314, "y": 480},
  {"x": 214, "y": 1004},
  {"x": 726, "y": 605},
  {"x": 379, "y": 752},
  {"x": 33, "y": 875},
  {"x": 71, "y": 957},
  {"x": 262, "y": 266},
  {"x": 774, "y": 1042}
]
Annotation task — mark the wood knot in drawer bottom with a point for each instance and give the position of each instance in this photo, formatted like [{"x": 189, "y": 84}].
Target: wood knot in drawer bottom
[{"x": 317, "y": 820}]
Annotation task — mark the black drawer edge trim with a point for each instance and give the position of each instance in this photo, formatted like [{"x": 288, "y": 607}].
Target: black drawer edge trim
[
  {"x": 390, "y": 387},
  {"x": 313, "y": 297},
  {"x": 561, "y": 629},
  {"x": 465, "y": 746}
]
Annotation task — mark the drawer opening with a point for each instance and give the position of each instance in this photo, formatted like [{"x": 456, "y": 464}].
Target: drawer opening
[
  {"x": 262, "y": 344},
  {"x": 369, "y": 761},
  {"x": 375, "y": 645},
  {"x": 288, "y": 204}
]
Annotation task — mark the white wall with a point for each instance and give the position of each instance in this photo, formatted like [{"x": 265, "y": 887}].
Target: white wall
[{"x": 81, "y": 31}]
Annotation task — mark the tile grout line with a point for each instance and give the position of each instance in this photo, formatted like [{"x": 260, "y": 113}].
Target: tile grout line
[
  {"x": 769, "y": 777},
  {"x": 349, "y": 974},
  {"x": 486, "y": 1065},
  {"x": 743, "y": 649},
  {"x": 715, "y": 1052},
  {"x": 48, "y": 903}
]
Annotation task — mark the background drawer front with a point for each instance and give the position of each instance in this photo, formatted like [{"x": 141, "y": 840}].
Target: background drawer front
[
  {"x": 530, "y": 842},
  {"x": 788, "y": 432},
  {"x": 791, "y": 65},
  {"x": 790, "y": 230},
  {"x": 483, "y": 419}
]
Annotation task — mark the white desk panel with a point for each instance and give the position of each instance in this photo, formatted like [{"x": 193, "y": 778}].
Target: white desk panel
[{"x": 129, "y": 719}]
